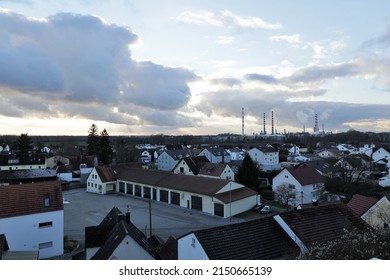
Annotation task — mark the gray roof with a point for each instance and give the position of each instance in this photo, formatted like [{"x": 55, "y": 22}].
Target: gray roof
[{"x": 261, "y": 239}]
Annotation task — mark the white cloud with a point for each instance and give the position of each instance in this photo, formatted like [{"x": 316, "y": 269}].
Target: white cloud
[
  {"x": 226, "y": 19},
  {"x": 291, "y": 39}
]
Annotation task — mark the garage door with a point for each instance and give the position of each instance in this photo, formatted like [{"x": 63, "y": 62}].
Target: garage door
[
  {"x": 164, "y": 196},
  {"x": 196, "y": 203},
  {"x": 219, "y": 210},
  {"x": 175, "y": 198}
]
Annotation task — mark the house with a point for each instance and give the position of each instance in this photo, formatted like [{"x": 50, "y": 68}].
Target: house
[
  {"x": 32, "y": 217},
  {"x": 260, "y": 239},
  {"x": 168, "y": 159},
  {"x": 346, "y": 148},
  {"x": 367, "y": 147},
  {"x": 11, "y": 177},
  {"x": 216, "y": 154},
  {"x": 213, "y": 196},
  {"x": 65, "y": 173},
  {"x": 217, "y": 170},
  {"x": 22, "y": 162},
  {"x": 117, "y": 238},
  {"x": 190, "y": 165},
  {"x": 354, "y": 162},
  {"x": 330, "y": 153},
  {"x": 54, "y": 161},
  {"x": 236, "y": 154},
  {"x": 310, "y": 226},
  {"x": 200, "y": 166},
  {"x": 4, "y": 149},
  {"x": 101, "y": 180},
  {"x": 381, "y": 155},
  {"x": 267, "y": 157},
  {"x": 294, "y": 150},
  {"x": 376, "y": 212},
  {"x": 300, "y": 183}
]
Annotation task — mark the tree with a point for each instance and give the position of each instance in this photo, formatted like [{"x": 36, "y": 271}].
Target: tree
[
  {"x": 283, "y": 194},
  {"x": 352, "y": 245},
  {"x": 93, "y": 140},
  {"x": 105, "y": 149},
  {"x": 24, "y": 144},
  {"x": 248, "y": 173}
]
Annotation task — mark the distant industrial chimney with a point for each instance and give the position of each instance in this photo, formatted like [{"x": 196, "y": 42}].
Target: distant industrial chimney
[
  {"x": 242, "y": 115},
  {"x": 316, "y": 128},
  {"x": 264, "y": 131},
  {"x": 272, "y": 123}
]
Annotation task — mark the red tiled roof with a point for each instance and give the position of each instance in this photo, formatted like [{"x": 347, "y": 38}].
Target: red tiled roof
[
  {"x": 26, "y": 199},
  {"x": 194, "y": 184},
  {"x": 359, "y": 204},
  {"x": 323, "y": 223},
  {"x": 305, "y": 174}
]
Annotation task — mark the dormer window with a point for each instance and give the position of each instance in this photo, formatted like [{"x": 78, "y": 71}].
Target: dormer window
[{"x": 46, "y": 202}]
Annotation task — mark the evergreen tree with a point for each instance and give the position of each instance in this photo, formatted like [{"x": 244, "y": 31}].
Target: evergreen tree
[
  {"x": 105, "y": 150},
  {"x": 248, "y": 173},
  {"x": 24, "y": 144},
  {"x": 93, "y": 140}
]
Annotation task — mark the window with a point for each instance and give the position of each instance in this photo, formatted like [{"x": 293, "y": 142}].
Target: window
[
  {"x": 193, "y": 242},
  {"x": 45, "y": 245},
  {"x": 385, "y": 225},
  {"x": 181, "y": 169},
  {"x": 175, "y": 198},
  {"x": 45, "y": 224},
  {"x": 46, "y": 202}
]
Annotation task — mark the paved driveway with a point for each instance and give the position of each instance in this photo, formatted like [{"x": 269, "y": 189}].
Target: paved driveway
[{"x": 88, "y": 209}]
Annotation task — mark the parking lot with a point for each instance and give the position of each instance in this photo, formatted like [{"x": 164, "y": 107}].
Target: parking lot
[{"x": 82, "y": 209}]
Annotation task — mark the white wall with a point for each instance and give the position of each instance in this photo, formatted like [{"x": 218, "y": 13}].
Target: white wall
[
  {"x": 189, "y": 248},
  {"x": 128, "y": 249},
  {"x": 24, "y": 234}
]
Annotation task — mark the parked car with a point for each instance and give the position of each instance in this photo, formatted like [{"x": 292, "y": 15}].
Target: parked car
[
  {"x": 266, "y": 209},
  {"x": 258, "y": 207}
]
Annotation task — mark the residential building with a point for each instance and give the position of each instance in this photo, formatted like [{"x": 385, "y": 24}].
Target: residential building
[
  {"x": 190, "y": 165},
  {"x": 316, "y": 225},
  {"x": 117, "y": 238},
  {"x": 266, "y": 157},
  {"x": 381, "y": 155},
  {"x": 236, "y": 154},
  {"x": 168, "y": 159},
  {"x": 22, "y": 162},
  {"x": 216, "y": 154},
  {"x": 32, "y": 217},
  {"x": 260, "y": 239},
  {"x": 374, "y": 211},
  {"x": 301, "y": 183}
]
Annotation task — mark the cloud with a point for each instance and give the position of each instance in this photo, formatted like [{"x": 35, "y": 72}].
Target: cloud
[
  {"x": 224, "y": 40},
  {"x": 291, "y": 39},
  {"x": 81, "y": 65},
  {"x": 226, "y": 19},
  {"x": 268, "y": 79}
]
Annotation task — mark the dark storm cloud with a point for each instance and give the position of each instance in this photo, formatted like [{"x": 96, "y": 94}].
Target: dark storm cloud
[{"x": 81, "y": 61}]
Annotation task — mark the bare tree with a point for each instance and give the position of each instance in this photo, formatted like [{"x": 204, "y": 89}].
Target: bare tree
[{"x": 284, "y": 193}]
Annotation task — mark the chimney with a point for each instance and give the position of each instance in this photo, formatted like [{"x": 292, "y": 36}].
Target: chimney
[
  {"x": 315, "y": 202},
  {"x": 128, "y": 217}
]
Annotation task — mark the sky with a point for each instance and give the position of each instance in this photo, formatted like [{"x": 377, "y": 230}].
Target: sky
[{"x": 179, "y": 67}]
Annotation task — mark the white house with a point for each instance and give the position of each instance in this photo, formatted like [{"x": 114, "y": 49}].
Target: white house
[
  {"x": 200, "y": 166},
  {"x": 168, "y": 159},
  {"x": 236, "y": 153},
  {"x": 33, "y": 218},
  {"x": 216, "y": 155},
  {"x": 376, "y": 212},
  {"x": 381, "y": 155},
  {"x": 266, "y": 157},
  {"x": 117, "y": 238},
  {"x": 301, "y": 183},
  {"x": 259, "y": 239},
  {"x": 100, "y": 180}
]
